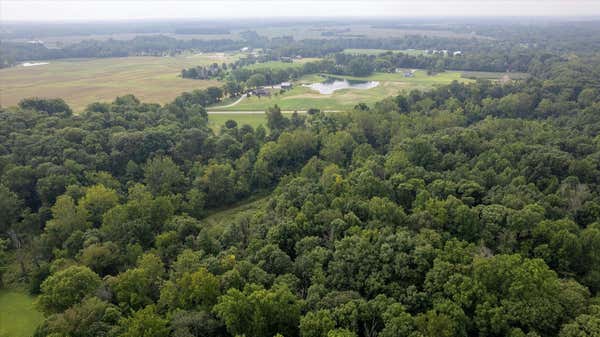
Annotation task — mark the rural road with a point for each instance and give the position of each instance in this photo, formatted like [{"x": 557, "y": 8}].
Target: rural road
[{"x": 249, "y": 111}]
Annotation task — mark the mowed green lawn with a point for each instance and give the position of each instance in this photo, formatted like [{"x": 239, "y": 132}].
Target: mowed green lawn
[
  {"x": 253, "y": 119},
  {"x": 18, "y": 316},
  {"x": 83, "y": 81},
  {"x": 301, "y": 98},
  {"x": 216, "y": 120}
]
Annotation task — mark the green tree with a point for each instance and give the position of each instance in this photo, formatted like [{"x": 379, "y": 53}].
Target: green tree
[
  {"x": 338, "y": 147},
  {"x": 163, "y": 176},
  {"x": 341, "y": 333},
  {"x": 197, "y": 290},
  {"x": 316, "y": 324},
  {"x": 66, "y": 219},
  {"x": 66, "y": 288},
  {"x": 218, "y": 182},
  {"x": 259, "y": 312},
  {"x": 256, "y": 80},
  {"x": 10, "y": 206},
  {"x": 140, "y": 286},
  {"x": 145, "y": 323},
  {"x": 97, "y": 200},
  {"x": 91, "y": 317}
]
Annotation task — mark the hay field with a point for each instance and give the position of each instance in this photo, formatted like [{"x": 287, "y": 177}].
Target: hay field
[{"x": 83, "y": 81}]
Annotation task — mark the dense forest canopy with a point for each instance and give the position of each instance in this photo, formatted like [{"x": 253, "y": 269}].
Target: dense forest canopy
[{"x": 468, "y": 210}]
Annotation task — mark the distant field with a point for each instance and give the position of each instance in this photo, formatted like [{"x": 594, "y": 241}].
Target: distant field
[
  {"x": 302, "y": 98},
  {"x": 380, "y": 51},
  {"x": 18, "y": 316},
  {"x": 281, "y": 65},
  {"x": 83, "y": 81},
  {"x": 493, "y": 76},
  {"x": 300, "y": 32}
]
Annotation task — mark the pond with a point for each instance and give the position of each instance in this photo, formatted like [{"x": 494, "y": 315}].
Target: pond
[{"x": 333, "y": 84}]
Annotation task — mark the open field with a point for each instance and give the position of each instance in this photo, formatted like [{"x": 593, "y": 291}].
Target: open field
[
  {"x": 302, "y": 98},
  {"x": 493, "y": 76},
  {"x": 275, "y": 65},
  {"x": 83, "y": 81},
  {"x": 353, "y": 30},
  {"x": 380, "y": 51},
  {"x": 18, "y": 316},
  {"x": 156, "y": 79}
]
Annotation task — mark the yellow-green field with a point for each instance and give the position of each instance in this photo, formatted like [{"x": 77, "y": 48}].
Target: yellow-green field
[
  {"x": 18, "y": 316},
  {"x": 83, "y": 81},
  {"x": 302, "y": 98}
]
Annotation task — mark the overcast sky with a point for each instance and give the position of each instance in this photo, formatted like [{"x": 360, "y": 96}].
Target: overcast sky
[{"x": 50, "y": 10}]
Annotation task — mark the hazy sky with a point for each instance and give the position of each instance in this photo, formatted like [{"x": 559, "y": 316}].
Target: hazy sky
[{"x": 50, "y": 10}]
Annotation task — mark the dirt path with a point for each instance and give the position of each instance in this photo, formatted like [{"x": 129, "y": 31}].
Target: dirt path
[{"x": 232, "y": 104}]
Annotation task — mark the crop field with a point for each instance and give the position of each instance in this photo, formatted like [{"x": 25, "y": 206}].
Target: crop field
[
  {"x": 302, "y": 98},
  {"x": 18, "y": 316},
  {"x": 83, "y": 81}
]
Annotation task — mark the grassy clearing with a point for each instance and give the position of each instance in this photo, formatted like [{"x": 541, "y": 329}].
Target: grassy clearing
[
  {"x": 18, "y": 316},
  {"x": 216, "y": 222},
  {"x": 254, "y": 119},
  {"x": 302, "y": 98},
  {"x": 216, "y": 120},
  {"x": 250, "y": 205},
  {"x": 83, "y": 81}
]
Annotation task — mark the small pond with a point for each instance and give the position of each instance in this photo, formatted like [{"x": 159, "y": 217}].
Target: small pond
[{"x": 333, "y": 84}]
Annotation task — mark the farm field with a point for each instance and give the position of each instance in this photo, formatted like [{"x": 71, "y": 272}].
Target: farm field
[
  {"x": 302, "y": 98},
  {"x": 83, "y": 81},
  {"x": 18, "y": 316}
]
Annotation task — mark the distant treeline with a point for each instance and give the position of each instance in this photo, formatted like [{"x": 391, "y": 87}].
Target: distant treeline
[
  {"x": 216, "y": 70},
  {"x": 201, "y": 30},
  {"x": 477, "y": 54},
  {"x": 365, "y": 65},
  {"x": 158, "y": 45},
  {"x": 286, "y": 46}
]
